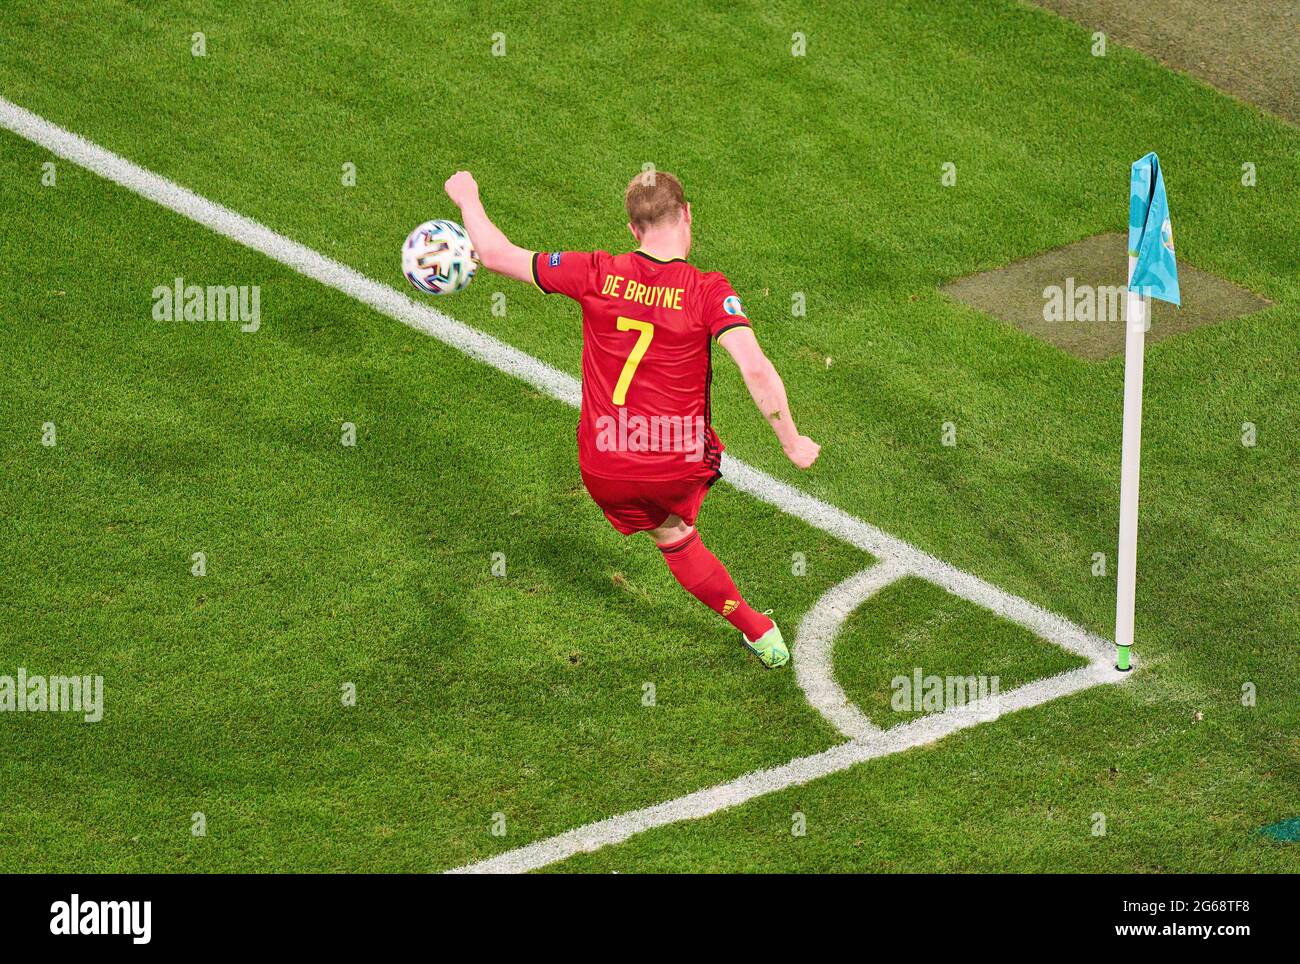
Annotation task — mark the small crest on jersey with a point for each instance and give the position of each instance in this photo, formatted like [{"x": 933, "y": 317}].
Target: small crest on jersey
[
  {"x": 555, "y": 259},
  {"x": 731, "y": 305}
]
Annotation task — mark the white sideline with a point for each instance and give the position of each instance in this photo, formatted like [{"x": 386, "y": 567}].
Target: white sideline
[
  {"x": 866, "y": 742},
  {"x": 901, "y": 557},
  {"x": 801, "y": 770}
]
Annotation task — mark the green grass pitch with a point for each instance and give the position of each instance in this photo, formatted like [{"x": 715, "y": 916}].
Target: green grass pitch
[{"x": 370, "y": 565}]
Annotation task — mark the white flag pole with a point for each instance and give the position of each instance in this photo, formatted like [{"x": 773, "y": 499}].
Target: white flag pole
[{"x": 1136, "y": 310}]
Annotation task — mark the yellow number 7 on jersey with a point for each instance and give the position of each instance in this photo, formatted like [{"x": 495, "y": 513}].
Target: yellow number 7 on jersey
[{"x": 647, "y": 331}]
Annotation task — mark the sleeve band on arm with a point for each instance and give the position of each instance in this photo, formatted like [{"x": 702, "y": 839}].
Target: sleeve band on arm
[
  {"x": 536, "y": 279},
  {"x": 737, "y": 324}
]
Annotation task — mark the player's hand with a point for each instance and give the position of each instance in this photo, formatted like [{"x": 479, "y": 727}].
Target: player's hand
[
  {"x": 803, "y": 451},
  {"x": 461, "y": 188}
]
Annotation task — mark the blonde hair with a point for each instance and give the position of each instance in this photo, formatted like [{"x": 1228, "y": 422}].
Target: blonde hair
[{"x": 653, "y": 197}]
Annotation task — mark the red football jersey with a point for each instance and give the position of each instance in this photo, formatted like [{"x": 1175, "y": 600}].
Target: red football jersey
[{"x": 647, "y": 327}]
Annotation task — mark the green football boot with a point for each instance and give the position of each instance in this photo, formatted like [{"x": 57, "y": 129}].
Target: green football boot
[{"x": 770, "y": 647}]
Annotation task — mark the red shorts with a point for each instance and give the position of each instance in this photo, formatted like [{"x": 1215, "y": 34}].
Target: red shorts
[{"x": 632, "y": 506}]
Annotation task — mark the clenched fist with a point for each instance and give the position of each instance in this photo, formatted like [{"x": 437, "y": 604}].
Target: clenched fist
[
  {"x": 461, "y": 188},
  {"x": 803, "y": 451}
]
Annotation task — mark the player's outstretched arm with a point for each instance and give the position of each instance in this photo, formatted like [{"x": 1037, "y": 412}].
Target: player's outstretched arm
[
  {"x": 495, "y": 252},
  {"x": 768, "y": 392}
]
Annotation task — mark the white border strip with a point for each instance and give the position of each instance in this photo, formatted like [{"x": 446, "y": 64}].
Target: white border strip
[{"x": 900, "y": 556}]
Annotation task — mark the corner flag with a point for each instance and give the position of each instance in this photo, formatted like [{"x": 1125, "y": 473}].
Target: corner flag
[
  {"x": 1152, "y": 273},
  {"x": 1150, "y": 233}
]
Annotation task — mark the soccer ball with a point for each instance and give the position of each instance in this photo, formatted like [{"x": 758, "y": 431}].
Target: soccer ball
[{"x": 439, "y": 258}]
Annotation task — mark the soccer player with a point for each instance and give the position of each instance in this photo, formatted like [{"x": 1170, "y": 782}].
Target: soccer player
[{"x": 646, "y": 449}]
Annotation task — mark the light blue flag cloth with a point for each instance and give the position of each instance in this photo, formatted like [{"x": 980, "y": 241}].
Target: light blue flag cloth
[{"x": 1150, "y": 234}]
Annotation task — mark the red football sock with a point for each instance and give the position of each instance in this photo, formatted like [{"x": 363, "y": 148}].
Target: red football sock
[{"x": 707, "y": 579}]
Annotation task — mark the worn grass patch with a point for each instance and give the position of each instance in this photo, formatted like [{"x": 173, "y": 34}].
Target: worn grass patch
[{"x": 1073, "y": 297}]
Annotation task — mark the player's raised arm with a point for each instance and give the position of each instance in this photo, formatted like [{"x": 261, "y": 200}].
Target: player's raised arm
[
  {"x": 768, "y": 392},
  {"x": 495, "y": 251}
]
